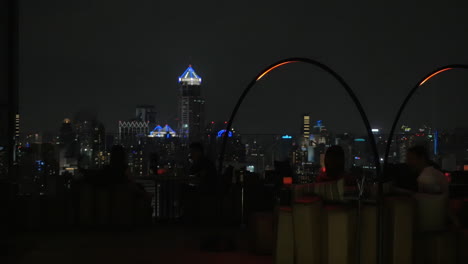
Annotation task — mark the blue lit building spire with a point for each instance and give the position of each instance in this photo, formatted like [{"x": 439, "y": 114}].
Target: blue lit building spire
[{"x": 190, "y": 77}]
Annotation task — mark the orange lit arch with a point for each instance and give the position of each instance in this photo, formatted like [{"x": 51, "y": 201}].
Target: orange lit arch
[
  {"x": 409, "y": 96},
  {"x": 356, "y": 103}
]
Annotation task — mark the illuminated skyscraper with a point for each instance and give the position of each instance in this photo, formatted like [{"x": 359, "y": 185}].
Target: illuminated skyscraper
[
  {"x": 306, "y": 144},
  {"x": 306, "y": 126},
  {"x": 191, "y": 107},
  {"x": 17, "y": 126}
]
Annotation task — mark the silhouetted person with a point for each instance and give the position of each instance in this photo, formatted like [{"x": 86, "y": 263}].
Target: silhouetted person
[
  {"x": 404, "y": 179},
  {"x": 430, "y": 179},
  {"x": 206, "y": 194},
  {"x": 117, "y": 173},
  {"x": 203, "y": 170},
  {"x": 335, "y": 167},
  {"x": 202, "y": 187},
  {"x": 118, "y": 168}
]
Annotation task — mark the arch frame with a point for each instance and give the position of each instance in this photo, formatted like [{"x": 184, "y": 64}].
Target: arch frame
[
  {"x": 364, "y": 118},
  {"x": 409, "y": 96}
]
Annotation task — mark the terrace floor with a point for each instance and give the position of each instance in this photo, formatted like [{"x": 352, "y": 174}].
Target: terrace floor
[{"x": 160, "y": 244}]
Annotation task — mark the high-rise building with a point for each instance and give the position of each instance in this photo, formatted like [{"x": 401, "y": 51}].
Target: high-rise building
[
  {"x": 130, "y": 131},
  {"x": 17, "y": 126},
  {"x": 191, "y": 107},
  {"x": 146, "y": 113},
  {"x": 133, "y": 136},
  {"x": 306, "y": 126},
  {"x": 90, "y": 136}
]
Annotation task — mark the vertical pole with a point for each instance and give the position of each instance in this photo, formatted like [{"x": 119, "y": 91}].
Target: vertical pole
[{"x": 12, "y": 83}]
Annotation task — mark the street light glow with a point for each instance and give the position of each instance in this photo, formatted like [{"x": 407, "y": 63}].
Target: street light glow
[
  {"x": 274, "y": 67},
  {"x": 434, "y": 74}
]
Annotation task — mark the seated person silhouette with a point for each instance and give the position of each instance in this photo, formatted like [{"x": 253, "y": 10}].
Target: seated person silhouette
[
  {"x": 335, "y": 167},
  {"x": 430, "y": 179},
  {"x": 432, "y": 186}
]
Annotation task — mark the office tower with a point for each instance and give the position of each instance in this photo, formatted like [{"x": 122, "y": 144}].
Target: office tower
[
  {"x": 131, "y": 131},
  {"x": 16, "y": 149},
  {"x": 307, "y": 143},
  {"x": 17, "y": 126},
  {"x": 67, "y": 136},
  {"x": 306, "y": 126},
  {"x": 346, "y": 141},
  {"x": 90, "y": 136},
  {"x": 191, "y": 106},
  {"x": 133, "y": 136},
  {"x": 146, "y": 113},
  {"x": 39, "y": 167},
  {"x": 68, "y": 147}
]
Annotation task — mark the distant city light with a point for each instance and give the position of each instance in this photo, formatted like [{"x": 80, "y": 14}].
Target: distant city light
[
  {"x": 286, "y": 137},
  {"x": 375, "y": 130},
  {"x": 359, "y": 140},
  {"x": 357, "y": 158}
]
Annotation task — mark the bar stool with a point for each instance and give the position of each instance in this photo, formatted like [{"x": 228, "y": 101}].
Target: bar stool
[
  {"x": 284, "y": 247},
  {"x": 307, "y": 230},
  {"x": 339, "y": 235},
  {"x": 462, "y": 255},
  {"x": 121, "y": 206},
  {"x": 103, "y": 206},
  {"x": 86, "y": 203},
  {"x": 261, "y": 233},
  {"x": 330, "y": 191},
  {"x": 436, "y": 248},
  {"x": 431, "y": 212},
  {"x": 368, "y": 234},
  {"x": 400, "y": 226}
]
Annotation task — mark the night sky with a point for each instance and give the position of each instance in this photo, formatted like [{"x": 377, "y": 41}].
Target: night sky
[{"x": 107, "y": 56}]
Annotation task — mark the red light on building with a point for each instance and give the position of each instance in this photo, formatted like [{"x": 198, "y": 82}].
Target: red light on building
[
  {"x": 161, "y": 171},
  {"x": 448, "y": 176},
  {"x": 287, "y": 180}
]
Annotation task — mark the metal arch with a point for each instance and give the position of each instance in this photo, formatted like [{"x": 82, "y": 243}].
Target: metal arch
[
  {"x": 409, "y": 96},
  {"x": 358, "y": 105}
]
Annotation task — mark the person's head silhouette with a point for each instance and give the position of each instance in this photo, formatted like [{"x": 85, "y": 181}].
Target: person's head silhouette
[
  {"x": 118, "y": 157},
  {"x": 417, "y": 158},
  {"x": 335, "y": 161}
]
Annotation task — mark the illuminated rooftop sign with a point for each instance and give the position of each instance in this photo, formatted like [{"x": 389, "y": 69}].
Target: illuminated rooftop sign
[
  {"x": 190, "y": 77},
  {"x": 221, "y": 133}
]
